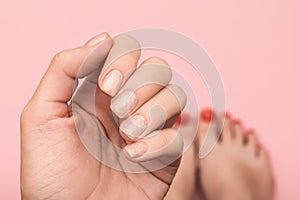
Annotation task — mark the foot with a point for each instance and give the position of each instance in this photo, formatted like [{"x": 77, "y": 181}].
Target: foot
[{"x": 237, "y": 167}]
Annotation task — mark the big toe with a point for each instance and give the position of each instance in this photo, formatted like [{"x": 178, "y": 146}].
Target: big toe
[{"x": 207, "y": 132}]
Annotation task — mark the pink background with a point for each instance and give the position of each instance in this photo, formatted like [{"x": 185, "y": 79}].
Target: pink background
[{"x": 255, "y": 45}]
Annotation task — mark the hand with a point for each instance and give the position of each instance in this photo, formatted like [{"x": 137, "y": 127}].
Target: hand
[{"x": 62, "y": 139}]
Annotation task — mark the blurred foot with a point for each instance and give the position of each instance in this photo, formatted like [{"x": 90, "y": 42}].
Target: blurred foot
[{"x": 237, "y": 167}]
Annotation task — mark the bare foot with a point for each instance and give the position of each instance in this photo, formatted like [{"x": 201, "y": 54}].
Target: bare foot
[{"x": 237, "y": 167}]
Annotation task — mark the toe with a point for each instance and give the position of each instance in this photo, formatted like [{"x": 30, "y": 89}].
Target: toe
[
  {"x": 227, "y": 128},
  {"x": 252, "y": 138},
  {"x": 263, "y": 153},
  {"x": 252, "y": 142},
  {"x": 207, "y": 132},
  {"x": 237, "y": 130},
  {"x": 205, "y": 119}
]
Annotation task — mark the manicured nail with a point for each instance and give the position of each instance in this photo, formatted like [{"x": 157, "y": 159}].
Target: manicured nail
[
  {"x": 112, "y": 82},
  {"x": 136, "y": 149},
  {"x": 206, "y": 115},
  {"x": 95, "y": 40},
  {"x": 124, "y": 103},
  {"x": 133, "y": 127}
]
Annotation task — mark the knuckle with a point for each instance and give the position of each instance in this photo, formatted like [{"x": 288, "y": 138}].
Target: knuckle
[
  {"x": 179, "y": 94},
  {"x": 126, "y": 46},
  {"x": 62, "y": 56},
  {"x": 58, "y": 57}
]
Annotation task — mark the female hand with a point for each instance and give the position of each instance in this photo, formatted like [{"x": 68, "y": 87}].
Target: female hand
[{"x": 63, "y": 134}]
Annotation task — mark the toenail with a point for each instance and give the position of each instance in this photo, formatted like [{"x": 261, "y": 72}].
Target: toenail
[
  {"x": 178, "y": 121},
  {"x": 227, "y": 114},
  {"x": 206, "y": 115},
  {"x": 183, "y": 119},
  {"x": 251, "y": 131},
  {"x": 237, "y": 121}
]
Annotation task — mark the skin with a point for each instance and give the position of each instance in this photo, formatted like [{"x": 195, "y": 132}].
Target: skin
[
  {"x": 56, "y": 165},
  {"x": 238, "y": 167},
  {"x": 54, "y": 162}
]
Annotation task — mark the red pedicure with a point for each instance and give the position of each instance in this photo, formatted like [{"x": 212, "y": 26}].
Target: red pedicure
[
  {"x": 178, "y": 121},
  {"x": 183, "y": 119},
  {"x": 237, "y": 122},
  {"x": 206, "y": 115},
  {"x": 227, "y": 114},
  {"x": 251, "y": 131}
]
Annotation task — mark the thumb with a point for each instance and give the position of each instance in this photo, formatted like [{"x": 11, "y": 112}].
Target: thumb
[{"x": 57, "y": 85}]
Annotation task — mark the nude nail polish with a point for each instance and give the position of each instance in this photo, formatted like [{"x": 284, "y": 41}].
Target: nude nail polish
[
  {"x": 124, "y": 103},
  {"x": 136, "y": 149},
  {"x": 112, "y": 82},
  {"x": 133, "y": 127},
  {"x": 183, "y": 119}
]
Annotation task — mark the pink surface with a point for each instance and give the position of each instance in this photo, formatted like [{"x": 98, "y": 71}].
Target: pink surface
[{"x": 255, "y": 45}]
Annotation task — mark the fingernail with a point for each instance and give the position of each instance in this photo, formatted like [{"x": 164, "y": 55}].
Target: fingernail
[
  {"x": 124, "y": 103},
  {"x": 136, "y": 149},
  {"x": 112, "y": 82},
  {"x": 133, "y": 127},
  {"x": 95, "y": 40},
  {"x": 206, "y": 115}
]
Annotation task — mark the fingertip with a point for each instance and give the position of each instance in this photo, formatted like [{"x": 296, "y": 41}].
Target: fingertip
[
  {"x": 97, "y": 39},
  {"x": 156, "y": 60}
]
